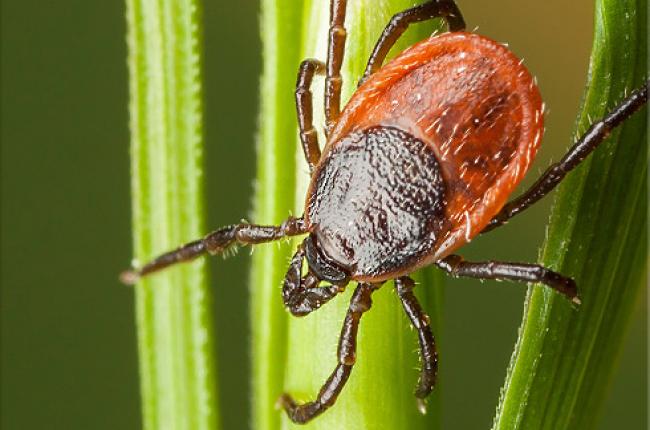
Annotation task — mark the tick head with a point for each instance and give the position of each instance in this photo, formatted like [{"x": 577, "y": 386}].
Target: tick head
[{"x": 325, "y": 269}]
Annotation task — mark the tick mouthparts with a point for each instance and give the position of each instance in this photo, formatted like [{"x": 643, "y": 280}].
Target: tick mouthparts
[{"x": 129, "y": 277}]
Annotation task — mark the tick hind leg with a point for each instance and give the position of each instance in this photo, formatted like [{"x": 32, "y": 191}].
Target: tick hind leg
[
  {"x": 302, "y": 294},
  {"x": 594, "y": 136},
  {"x": 455, "y": 266},
  {"x": 216, "y": 243},
  {"x": 360, "y": 303},
  {"x": 398, "y": 24},
  {"x": 428, "y": 353}
]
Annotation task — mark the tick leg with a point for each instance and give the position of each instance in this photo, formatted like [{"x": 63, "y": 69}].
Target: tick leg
[
  {"x": 335, "y": 53},
  {"x": 455, "y": 266},
  {"x": 420, "y": 321},
  {"x": 398, "y": 24},
  {"x": 217, "y": 242},
  {"x": 360, "y": 303},
  {"x": 301, "y": 294},
  {"x": 589, "y": 141},
  {"x": 305, "y": 109}
]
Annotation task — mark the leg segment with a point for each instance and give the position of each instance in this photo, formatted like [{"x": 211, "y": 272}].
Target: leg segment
[
  {"x": 446, "y": 9},
  {"x": 360, "y": 303},
  {"x": 594, "y": 136},
  {"x": 455, "y": 266},
  {"x": 304, "y": 107},
  {"x": 216, "y": 243},
  {"x": 420, "y": 321},
  {"x": 335, "y": 53},
  {"x": 301, "y": 294}
]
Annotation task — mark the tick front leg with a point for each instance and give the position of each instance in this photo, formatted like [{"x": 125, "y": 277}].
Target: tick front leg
[
  {"x": 398, "y": 24},
  {"x": 594, "y": 136},
  {"x": 455, "y": 266},
  {"x": 360, "y": 303},
  {"x": 302, "y": 294},
  {"x": 428, "y": 353},
  {"x": 305, "y": 110},
  {"x": 216, "y": 243}
]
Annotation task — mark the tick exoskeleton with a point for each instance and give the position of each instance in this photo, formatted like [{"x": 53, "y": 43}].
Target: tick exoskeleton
[{"x": 423, "y": 158}]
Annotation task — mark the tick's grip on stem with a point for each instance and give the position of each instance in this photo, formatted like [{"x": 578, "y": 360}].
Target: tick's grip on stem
[{"x": 301, "y": 413}]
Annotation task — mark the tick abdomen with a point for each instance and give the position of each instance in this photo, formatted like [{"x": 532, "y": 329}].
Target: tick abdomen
[{"x": 377, "y": 202}]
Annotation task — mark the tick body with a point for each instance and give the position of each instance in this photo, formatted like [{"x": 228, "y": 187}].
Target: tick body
[
  {"x": 422, "y": 159},
  {"x": 424, "y": 155}
]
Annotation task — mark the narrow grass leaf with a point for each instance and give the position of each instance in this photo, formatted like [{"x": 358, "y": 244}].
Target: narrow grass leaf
[
  {"x": 274, "y": 197},
  {"x": 173, "y": 308},
  {"x": 297, "y": 355},
  {"x": 565, "y": 356}
]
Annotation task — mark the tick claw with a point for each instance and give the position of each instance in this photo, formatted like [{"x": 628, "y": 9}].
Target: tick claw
[
  {"x": 284, "y": 401},
  {"x": 422, "y": 406},
  {"x": 129, "y": 277}
]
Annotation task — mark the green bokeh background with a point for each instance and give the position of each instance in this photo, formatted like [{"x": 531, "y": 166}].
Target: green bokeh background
[{"x": 68, "y": 339}]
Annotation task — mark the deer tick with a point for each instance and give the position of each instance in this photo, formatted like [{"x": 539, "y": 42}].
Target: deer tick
[{"x": 422, "y": 159}]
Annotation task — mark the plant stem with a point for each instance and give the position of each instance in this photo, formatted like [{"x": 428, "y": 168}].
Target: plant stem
[
  {"x": 173, "y": 308},
  {"x": 297, "y": 355},
  {"x": 274, "y": 197},
  {"x": 565, "y": 357}
]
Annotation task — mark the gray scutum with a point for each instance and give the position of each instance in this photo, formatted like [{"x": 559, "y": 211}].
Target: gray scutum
[{"x": 378, "y": 202}]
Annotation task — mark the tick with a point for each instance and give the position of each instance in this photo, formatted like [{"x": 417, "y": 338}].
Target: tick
[{"x": 422, "y": 159}]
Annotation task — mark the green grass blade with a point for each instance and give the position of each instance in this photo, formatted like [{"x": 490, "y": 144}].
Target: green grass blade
[
  {"x": 274, "y": 197},
  {"x": 565, "y": 357},
  {"x": 297, "y": 355},
  {"x": 173, "y": 308}
]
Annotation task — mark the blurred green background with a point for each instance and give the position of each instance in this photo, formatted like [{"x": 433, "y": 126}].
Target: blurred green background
[{"x": 68, "y": 338}]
